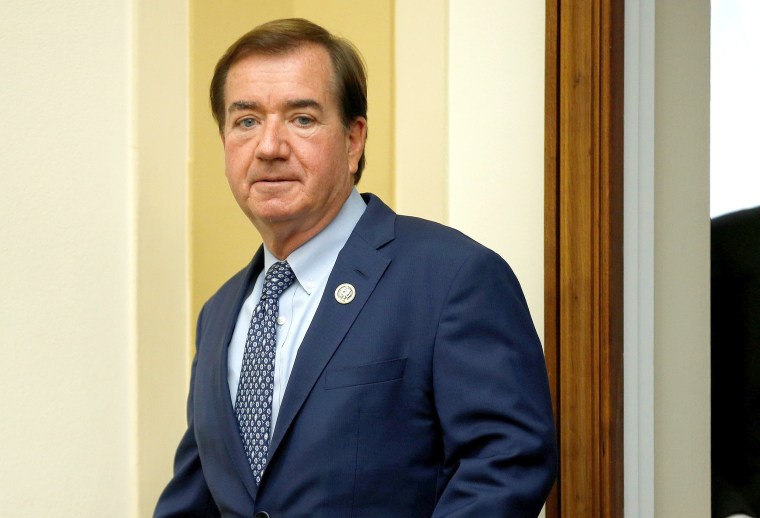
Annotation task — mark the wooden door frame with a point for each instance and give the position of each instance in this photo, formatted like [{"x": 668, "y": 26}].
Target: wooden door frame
[{"x": 584, "y": 252}]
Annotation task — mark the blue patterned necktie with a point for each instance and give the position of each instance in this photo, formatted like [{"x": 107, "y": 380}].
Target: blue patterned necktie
[{"x": 253, "y": 404}]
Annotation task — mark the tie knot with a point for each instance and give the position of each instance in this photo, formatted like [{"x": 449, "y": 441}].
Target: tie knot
[{"x": 278, "y": 278}]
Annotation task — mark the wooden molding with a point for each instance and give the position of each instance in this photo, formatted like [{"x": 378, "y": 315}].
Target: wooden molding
[{"x": 584, "y": 251}]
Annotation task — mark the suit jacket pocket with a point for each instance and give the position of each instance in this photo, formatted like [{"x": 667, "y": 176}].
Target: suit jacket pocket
[{"x": 365, "y": 374}]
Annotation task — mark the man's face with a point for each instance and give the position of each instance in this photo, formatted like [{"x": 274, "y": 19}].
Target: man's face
[{"x": 289, "y": 160}]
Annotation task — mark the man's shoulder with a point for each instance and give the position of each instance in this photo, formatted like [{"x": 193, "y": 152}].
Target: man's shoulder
[
  {"x": 417, "y": 233},
  {"x": 418, "y": 238},
  {"x": 442, "y": 249},
  {"x": 426, "y": 232}
]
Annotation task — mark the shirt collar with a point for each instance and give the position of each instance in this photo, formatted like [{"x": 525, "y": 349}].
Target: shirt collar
[{"x": 313, "y": 261}]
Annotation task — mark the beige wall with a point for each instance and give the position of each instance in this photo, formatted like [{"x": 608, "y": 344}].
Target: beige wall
[
  {"x": 469, "y": 131},
  {"x": 421, "y": 109},
  {"x": 496, "y": 133},
  {"x": 162, "y": 320},
  {"x": 682, "y": 259},
  {"x": 66, "y": 260}
]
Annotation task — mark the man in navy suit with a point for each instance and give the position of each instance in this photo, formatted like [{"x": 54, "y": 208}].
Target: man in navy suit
[{"x": 398, "y": 373}]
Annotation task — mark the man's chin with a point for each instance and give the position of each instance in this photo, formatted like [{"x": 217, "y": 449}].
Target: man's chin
[{"x": 272, "y": 211}]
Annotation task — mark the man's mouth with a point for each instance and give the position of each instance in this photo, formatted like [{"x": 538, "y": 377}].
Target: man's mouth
[{"x": 272, "y": 182}]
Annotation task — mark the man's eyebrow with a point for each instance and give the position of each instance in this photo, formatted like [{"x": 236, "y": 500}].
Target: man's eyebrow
[
  {"x": 253, "y": 105},
  {"x": 303, "y": 103},
  {"x": 242, "y": 105}
]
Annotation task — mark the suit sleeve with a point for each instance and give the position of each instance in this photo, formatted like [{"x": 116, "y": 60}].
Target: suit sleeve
[
  {"x": 492, "y": 397},
  {"x": 187, "y": 494}
]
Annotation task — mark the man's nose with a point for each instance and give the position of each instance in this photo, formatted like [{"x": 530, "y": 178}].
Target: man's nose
[{"x": 273, "y": 142}]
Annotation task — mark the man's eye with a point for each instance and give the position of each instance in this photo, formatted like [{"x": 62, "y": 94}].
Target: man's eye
[
  {"x": 303, "y": 120},
  {"x": 248, "y": 122}
]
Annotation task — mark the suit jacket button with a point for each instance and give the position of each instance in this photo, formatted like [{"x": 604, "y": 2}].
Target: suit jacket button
[{"x": 261, "y": 514}]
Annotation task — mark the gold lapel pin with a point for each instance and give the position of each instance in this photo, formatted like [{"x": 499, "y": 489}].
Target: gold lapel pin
[{"x": 345, "y": 293}]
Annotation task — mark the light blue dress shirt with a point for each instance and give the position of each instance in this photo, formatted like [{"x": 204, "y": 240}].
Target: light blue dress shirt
[{"x": 312, "y": 263}]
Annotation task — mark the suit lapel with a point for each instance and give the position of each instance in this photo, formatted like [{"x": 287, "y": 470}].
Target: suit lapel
[
  {"x": 223, "y": 411},
  {"x": 360, "y": 264}
]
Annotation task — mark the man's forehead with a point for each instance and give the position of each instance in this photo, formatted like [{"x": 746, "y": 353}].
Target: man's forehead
[
  {"x": 298, "y": 62},
  {"x": 306, "y": 55}
]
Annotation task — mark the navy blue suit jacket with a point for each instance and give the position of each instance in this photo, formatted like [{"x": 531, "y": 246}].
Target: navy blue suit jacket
[{"x": 425, "y": 396}]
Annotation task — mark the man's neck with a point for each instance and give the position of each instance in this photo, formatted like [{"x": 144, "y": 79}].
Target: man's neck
[{"x": 282, "y": 246}]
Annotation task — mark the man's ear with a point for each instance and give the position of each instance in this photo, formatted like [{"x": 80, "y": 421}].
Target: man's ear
[{"x": 356, "y": 138}]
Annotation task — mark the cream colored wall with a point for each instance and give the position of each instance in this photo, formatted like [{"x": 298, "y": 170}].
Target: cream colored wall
[
  {"x": 496, "y": 133},
  {"x": 469, "y": 132},
  {"x": 160, "y": 60},
  {"x": 66, "y": 260},
  {"x": 421, "y": 109},
  {"x": 682, "y": 259},
  {"x": 222, "y": 239}
]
